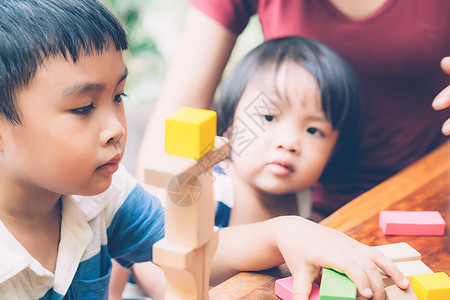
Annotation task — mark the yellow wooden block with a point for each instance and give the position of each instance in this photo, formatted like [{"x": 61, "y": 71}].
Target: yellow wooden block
[
  {"x": 190, "y": 132},
  {"x": 435, "y": 286}
]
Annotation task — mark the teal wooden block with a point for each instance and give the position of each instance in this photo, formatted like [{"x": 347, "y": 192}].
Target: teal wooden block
[{"x": 336, "y": 286}]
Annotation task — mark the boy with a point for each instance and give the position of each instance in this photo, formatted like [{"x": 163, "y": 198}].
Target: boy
[{"x": 63, "y": 133}]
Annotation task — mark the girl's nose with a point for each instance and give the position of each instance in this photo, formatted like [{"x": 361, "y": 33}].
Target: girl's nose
[
  {"x": 288, "y": 142},
  {"x": 288, "y": 147}
]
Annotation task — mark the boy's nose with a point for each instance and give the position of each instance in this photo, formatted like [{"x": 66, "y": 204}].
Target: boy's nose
[
  {"x": 116, "y": 136},
  {"x": 113, "y": 132}
]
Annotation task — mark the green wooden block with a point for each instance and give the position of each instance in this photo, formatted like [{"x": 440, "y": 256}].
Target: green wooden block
[{"x": 336, "y": 286}]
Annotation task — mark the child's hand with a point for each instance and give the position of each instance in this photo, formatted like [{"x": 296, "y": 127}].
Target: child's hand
[
  {"x": 307, "y": 246},
  {"x": 442, "y": 100}
]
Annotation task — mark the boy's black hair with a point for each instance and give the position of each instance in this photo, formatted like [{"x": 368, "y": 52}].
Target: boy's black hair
[
  {"x": 32, "y": 31},
  {"x": 339, "y": 90}
]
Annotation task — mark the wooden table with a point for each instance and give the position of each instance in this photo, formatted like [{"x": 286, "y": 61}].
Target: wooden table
[{"x": 425, "y": 185}]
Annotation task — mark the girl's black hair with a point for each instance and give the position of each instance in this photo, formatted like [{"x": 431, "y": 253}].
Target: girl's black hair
[
  {"x": 339, "y": 90},
  {"x": 32, "y": 31}
]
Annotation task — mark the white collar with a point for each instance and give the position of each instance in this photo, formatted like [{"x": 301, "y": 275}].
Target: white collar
[{"x": 76, "y": 234}]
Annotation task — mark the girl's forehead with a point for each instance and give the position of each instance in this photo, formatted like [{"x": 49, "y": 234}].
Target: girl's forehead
[{"x": 286, "y": 83}]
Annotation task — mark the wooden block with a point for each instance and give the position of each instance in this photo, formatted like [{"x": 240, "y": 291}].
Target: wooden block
[
  {"x": 186, "y": 270},
  {"x": 182, "y": 270},
  {"x": 399, "y": 252},
  {"x": 186, "y": 252},
  {"x": 162, "y": 170},
  {"x": 172, "y": 255},
  {"x": 336, "y": 286},
  {"x": 190, "y": 132},
  {"x": 420, "y": 223},
  {"x": 191, "y": 225},
  {"x": 283, "y": 289},
  {"x": 190, "y": 207},
  {"x": 434, "y": 286},
  {"x": 393, "y": 292},
  {"x": 408, "y": 269}
]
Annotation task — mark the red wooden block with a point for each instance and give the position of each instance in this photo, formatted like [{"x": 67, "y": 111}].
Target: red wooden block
[
  {"x": 283, "y": 289},
  {"x": 411, "y": 223}
]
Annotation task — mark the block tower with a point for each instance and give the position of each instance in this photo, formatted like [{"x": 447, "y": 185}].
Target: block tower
[{"x": 185, "y": 172}]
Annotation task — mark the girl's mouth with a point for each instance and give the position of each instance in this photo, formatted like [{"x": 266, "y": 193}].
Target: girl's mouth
[{"x": 280, "y": 168}]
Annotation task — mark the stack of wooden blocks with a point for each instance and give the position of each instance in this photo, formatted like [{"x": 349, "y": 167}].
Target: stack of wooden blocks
[{"x": 185, "y": 253}]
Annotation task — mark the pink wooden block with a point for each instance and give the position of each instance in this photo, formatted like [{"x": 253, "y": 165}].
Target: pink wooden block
[
  {"x": 411, "y": 223},
  {"x": 283, "y": 289}
]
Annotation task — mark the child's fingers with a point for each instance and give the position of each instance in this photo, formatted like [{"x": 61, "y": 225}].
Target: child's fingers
[
  {"x": 369, "y": 261},
  {"x": 388, "y": 266},
  {"x": 354, "y": 268},
  {"x": 303, "y": 278},
  {"x": 375, "y": 281}
]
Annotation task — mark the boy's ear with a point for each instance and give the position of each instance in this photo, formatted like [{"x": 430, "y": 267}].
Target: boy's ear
[
  {"x": 1, "y": 142},
  {"x": 3, "y": 124}
]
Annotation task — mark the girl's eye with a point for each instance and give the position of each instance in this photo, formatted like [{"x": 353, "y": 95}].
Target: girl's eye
[
  {"x": 269, "y": 118},
  {"x": 315, "y": 131},
  {"x": 118, "y": 98},
  {"x": 85, "y": 110}
]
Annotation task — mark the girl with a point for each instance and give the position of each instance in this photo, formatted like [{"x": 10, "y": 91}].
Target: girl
[{"x": 292, "y": 112}]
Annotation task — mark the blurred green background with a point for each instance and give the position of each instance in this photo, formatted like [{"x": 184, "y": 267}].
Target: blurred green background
[{"x": 154, "y": 28}]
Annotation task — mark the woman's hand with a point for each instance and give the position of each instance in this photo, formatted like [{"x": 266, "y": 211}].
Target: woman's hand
[{"x": 442, "y": 100}]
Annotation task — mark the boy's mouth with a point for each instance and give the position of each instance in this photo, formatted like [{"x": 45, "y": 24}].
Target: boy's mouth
[
  {"x": 116, "y": 159},
  {"x": 112, "y": 165}
]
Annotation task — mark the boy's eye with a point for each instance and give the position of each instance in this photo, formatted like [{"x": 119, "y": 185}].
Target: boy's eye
[
  {"x": 118, "y": 98},
  {"x": 315, "y": 131},
  {"x": 269, "y": 118},
  {"x": 83, "y": 110}
]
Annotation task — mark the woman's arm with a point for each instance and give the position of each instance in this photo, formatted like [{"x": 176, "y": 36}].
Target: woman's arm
[{"x": 192, "y": 78}]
